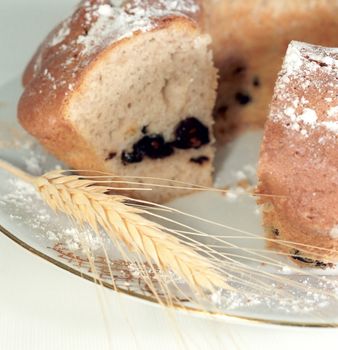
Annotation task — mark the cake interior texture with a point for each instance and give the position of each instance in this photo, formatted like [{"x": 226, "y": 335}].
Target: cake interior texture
[
  {"x": 152, "y": 115},
  {"x": 249, "y": 41},
  {"x": 298, "y": 167},
  {"x": 127, "y": 89}
]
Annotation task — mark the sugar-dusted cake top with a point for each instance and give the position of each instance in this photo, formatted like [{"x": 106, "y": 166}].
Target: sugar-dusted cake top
[
  {"x": 306, "y": 93},
  {"x": 97, "y": 24},
  {"x": 116, "y": 19}
]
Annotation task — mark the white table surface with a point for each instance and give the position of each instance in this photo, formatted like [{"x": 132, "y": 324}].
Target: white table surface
[{"x": 41, "y": 306}]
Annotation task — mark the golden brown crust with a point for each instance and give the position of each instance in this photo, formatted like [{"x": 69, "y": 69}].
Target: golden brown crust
[
  {"x": 62, "y": 43},
  {"x": 297, "y": 243},
  {"x": 54, "y": 76},
  {"x": 298, "y": 167}
]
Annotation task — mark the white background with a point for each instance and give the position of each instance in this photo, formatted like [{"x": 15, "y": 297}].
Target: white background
[{"x": 43, "y": 307}]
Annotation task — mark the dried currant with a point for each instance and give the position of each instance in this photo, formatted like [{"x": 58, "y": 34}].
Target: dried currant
[
  {"x": 275, "y": 232},
  {"x": 191, "y": 133},
  {"x": 256, "y": 82},
  {"x": 239, "y": 70},
  {"x": 131, "y": 157},
  {"x": 199, "y": 160},
  {"x": 110, "y": 156},
  {"x": 222, "y": 109},
  {"x": 243, "y": 98},
  {"x": 315, "y": 263},
  {"x": 296, "y": 256},
  {"x": 154, "y": 146}
]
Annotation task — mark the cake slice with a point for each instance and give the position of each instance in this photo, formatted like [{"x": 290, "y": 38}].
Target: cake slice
[
  {"x": 126, "y": 87},
  {"x": 298, "y": 165},
  {"x": 249, "y": 42}
]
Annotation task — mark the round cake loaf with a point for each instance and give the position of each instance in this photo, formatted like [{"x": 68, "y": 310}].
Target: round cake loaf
[
  {"x": 128, "y": 87},
  {"x": 298, "y": 167}
]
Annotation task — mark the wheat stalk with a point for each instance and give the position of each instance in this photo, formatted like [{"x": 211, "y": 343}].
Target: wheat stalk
[{"x": 86, "y": 202}]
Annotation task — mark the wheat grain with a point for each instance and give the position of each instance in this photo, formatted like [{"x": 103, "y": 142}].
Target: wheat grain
[
  {"x": 87, "y": 202},
  {"x": 84, "y": 198}
]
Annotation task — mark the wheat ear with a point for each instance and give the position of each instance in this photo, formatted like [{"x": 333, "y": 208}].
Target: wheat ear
[{"x": 86, "y": 202}]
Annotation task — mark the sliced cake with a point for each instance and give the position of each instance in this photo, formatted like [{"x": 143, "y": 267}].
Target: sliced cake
[
  {"x": 298, "y": 167},
  {"x": 126, "y": 87},
  {"x": 249, "y": 42},
  {"x": 129, "y": 86}
]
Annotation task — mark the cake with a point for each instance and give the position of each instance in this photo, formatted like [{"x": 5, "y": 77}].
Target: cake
[
  {"x": 250, "y": 39},
  {"x": 126, "y": 87},
  {"x": 298, "y": 167}
]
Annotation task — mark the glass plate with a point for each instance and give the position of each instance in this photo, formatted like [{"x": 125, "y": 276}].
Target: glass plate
[{"x": 266, "y": 287}]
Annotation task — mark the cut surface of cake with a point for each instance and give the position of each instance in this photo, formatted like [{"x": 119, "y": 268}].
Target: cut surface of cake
[
  {"x": 126, "y": 87},
  {"x": 298, "y": 167},
  {"x": 249, "y": 42}
]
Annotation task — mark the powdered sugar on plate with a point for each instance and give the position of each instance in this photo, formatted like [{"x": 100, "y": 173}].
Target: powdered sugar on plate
[
  {"x": 302, "y": 296},
  {"x": 24, "y": 206}
]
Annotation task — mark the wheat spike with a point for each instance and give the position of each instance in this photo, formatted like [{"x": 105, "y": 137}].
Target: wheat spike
[{"x": 86, "y": 202}]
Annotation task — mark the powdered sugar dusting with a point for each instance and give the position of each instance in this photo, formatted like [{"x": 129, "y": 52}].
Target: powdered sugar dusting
[
  {"x": 309, "y": 117},
  {"x": 289, "y": 294},
  {"x": 334, "y": 232},
  {"x": 331, "y": 126},
  {"x": 61, "y": 35},
  {"x": 311, "y": 103},
  {"x": 120, "y": 19},
  {"x": 26, "y": 207},
  {"x": 333, "y": 112},
  {"x": 105, "y": 11},
  {"x": 95, "y": 25},
  {"x": 287, "y": 298},
  {"x": 293, "y": 60}
]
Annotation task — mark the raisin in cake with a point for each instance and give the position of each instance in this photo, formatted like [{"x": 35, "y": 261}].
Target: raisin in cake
[
  {"x": 299, "y": 156},
  {"x": 126, "y": 87},
  {"x": 249, "y": 42}
]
